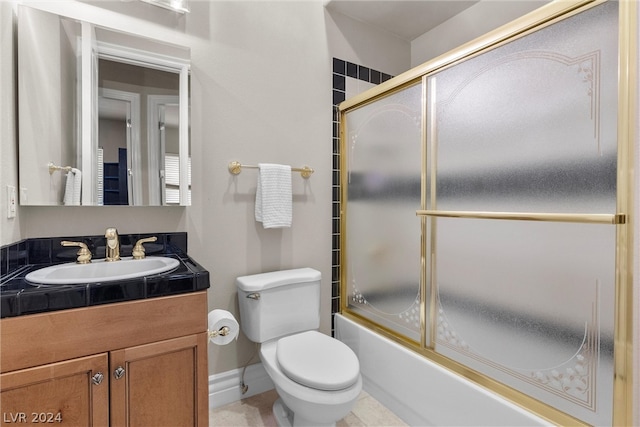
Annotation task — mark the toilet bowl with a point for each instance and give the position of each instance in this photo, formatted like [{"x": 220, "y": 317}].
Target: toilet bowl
[
  {"x": 316, "y": 376},
  {"x": 304, "y": 405}
]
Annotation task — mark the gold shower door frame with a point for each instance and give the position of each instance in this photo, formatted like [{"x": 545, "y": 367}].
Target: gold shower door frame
[{"x": 622, "y": 220}]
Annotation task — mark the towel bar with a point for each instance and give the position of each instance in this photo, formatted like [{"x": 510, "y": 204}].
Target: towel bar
[
  {"x": 53, "y": 168},
  {"x": 236, "y": 167}
]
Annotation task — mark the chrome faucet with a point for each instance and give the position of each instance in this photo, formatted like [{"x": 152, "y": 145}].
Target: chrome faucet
[{"x": 112, "y": 252}]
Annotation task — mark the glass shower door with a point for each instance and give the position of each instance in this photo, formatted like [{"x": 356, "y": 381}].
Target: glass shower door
[
  {"x": 514, "y": 274},
  {"x": 383, "y": 143},
  {"x": 521, "y": 196}
]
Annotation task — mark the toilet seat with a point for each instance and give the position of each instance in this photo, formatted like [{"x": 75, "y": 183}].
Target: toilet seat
[{"x": 317, "y": 361}]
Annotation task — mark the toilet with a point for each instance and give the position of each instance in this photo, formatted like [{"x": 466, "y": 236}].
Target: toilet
[{"x": 317, "y": 377}]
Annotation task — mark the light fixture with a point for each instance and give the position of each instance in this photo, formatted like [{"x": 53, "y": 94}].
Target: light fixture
[{"x": 181, "y": 6}]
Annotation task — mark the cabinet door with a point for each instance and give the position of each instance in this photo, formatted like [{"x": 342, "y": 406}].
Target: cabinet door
[
  {"x": 161, "y": 384},
  {"x": 72, "y": 393}
]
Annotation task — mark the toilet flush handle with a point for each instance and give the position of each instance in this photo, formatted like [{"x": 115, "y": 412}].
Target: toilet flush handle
[{"x": 254, "y": 295}]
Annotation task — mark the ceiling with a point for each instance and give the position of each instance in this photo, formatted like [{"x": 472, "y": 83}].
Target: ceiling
[{"x": 405, "y": 19}]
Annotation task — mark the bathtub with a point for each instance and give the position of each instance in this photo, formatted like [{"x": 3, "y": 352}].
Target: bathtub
[{"x": 421, "y": 392}]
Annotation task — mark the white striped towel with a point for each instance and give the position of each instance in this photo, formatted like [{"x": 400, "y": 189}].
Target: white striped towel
[
  {"x": 73, "y": 187},
  {"x": 273, "y": 196}
]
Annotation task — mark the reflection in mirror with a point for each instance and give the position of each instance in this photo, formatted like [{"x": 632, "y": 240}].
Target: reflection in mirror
[
  {"x": 133, "y": 89},
  {"x": 112, "y": 106},
  {"x": 48, "y": 63},
  {"x": 118, "y": 139},
  {"x": 165, "y": 111}
]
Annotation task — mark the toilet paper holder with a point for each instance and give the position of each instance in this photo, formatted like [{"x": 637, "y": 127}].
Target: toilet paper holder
[
  {"x": 224, "y": 331},
  {"x": 222, "y": 327}
]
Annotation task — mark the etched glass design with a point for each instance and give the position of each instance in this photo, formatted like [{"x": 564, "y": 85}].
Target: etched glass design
[
  {"x": 383, "y": 192},
  {"x": 530, "y": 127},
  {"x": 531, "y": 304}
]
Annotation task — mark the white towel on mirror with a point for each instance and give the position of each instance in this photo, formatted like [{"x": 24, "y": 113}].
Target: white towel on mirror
[
  {"x": 68, "y": 189},
  {"x": 73, "y": 187},
  {"x": 273, "y": 196},
  {"x": 77, "y": 186}
]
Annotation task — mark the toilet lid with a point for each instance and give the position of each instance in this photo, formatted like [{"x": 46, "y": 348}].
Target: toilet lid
[{"x": 318, "y": 361}]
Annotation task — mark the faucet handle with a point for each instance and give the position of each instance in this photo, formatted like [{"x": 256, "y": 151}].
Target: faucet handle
[
  {"x": 84, "y": 254},
  {"x": 138, "y": 249}
]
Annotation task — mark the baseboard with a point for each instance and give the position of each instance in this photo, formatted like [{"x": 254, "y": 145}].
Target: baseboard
[{"x": 225, "y": 388}]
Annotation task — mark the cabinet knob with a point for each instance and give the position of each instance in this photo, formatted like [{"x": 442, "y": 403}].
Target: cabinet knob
[
  {"x": 97, "y": 378},
  {"x": 119, "y": 372}
]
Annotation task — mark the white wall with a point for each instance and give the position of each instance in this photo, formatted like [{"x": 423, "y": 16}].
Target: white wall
[
  {"x": 261, "y": 92},
  {"x": 9, "y": 228},
  {"x": 479, "y": 19},
  {"x": 264, "y": 97},
  {"x": 364, "y": 44}
]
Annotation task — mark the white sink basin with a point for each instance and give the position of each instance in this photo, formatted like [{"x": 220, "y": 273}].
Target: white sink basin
[{"x": 101, "y": 271}]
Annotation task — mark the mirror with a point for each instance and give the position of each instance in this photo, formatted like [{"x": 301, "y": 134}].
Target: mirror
[{"x": 103, "y": 115}]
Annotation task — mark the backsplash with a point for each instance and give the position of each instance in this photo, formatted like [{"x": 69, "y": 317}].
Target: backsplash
[
  {"x": 13, "y": 257},
  {"x": 48, "y": 250},
  {"x": 20, "y": 297}
]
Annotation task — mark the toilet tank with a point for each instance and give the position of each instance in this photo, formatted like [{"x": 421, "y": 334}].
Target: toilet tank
[{"x": 279, "y": 303}]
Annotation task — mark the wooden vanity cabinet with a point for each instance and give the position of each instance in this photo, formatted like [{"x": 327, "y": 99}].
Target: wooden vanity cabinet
[
  {"x": 58, "y": 393},
  {"x": 139, "y": 363},
  {"x": 159, "y": 384}
]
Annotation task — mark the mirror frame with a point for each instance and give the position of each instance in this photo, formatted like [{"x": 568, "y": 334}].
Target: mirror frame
[
  {"x": 132, "y": 56},
  {"x": 94, "y": 42}
]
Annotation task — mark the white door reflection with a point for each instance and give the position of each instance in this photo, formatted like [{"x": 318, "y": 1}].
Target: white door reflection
[{"x": 119, "y": 141}]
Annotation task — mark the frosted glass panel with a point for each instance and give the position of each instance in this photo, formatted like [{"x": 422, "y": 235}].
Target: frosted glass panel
[
  {"x": 383, "y": 233},
  {"x": 528, "y": 127},
  {"x": 532, "y": 305},
  {"x": 531, "y": 126}
]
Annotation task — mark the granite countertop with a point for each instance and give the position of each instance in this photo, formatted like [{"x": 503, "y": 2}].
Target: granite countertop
[{"x": 19, "y": 297}]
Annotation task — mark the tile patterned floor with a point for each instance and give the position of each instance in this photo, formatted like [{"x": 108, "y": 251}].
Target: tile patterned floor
[{"x": 255, "y": 411}]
